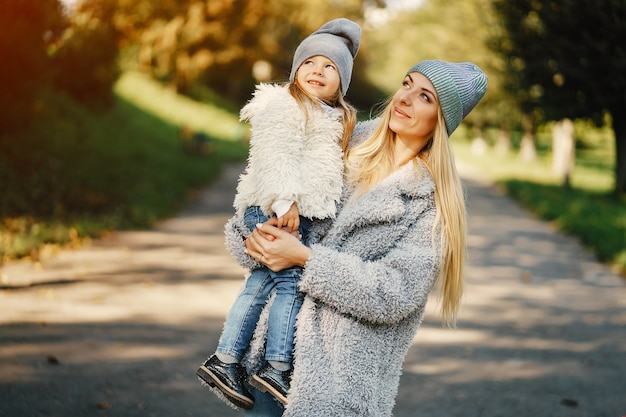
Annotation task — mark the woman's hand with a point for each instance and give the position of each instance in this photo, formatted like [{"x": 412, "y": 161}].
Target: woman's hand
[{"x": 275, "y": 248}]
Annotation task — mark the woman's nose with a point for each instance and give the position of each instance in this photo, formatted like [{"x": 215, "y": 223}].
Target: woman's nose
[{"x": 405, "y": 98}]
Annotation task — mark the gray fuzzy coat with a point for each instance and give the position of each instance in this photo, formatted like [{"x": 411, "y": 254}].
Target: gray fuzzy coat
[
  {"x": 290, "y": 158},
  {"x": 366, "y": 284}
]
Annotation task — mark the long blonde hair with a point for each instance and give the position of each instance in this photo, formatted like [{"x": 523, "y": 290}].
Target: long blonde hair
[
  {"x": 373, "y": 160},
  {"x": 305, "y": 101}
]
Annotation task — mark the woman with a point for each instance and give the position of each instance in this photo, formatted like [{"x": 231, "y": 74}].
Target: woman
[{"x": 399, "y": 230}]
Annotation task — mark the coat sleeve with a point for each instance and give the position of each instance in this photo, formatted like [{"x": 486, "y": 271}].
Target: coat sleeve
[
  {"x": 381, "y": 291},
  {"x": 235, "y": 233}
]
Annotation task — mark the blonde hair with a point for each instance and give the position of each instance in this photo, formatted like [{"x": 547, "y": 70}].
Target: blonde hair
[
  {"x": 452, "y": 216},
  {"x": 373, "y": 160},
  {"x": 305, "y": 101}
]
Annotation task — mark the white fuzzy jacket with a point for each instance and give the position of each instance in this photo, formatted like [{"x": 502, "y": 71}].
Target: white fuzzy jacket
[
  {"x": 291, "y": 159},
  {"x": 366, "y": 284}
]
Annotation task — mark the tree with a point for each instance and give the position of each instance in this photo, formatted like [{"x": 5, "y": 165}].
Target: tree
[
  {"x": 567, "y": 59},
  {"x": 85, "y": 58},
  {"x": 29, "y": 27},
  {"x": 218, "y": 43}
]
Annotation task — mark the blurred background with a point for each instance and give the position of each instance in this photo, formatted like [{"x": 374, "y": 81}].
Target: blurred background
[{"x": 113, "y": 113}]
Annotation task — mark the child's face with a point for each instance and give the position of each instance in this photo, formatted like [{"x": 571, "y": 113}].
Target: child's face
[{"x": 319, "y": 77}]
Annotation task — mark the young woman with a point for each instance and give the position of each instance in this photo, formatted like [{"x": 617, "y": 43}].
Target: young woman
[{"x": 295, "y": 175}]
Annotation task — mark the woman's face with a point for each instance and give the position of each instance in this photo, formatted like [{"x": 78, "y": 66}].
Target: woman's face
[
  {"x": 414, "y": 111},
  {"x": 319, "y": 77}
]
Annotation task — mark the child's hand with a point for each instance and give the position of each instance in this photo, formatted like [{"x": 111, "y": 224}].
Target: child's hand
[{"x": 290, "y": 220}]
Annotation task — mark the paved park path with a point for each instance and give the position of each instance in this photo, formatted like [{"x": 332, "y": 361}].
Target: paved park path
[{"x": 118, "y": 328}]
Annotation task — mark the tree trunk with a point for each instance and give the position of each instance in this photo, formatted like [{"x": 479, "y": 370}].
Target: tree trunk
[
  {"x": 503, "y": 142},
  {"x": 563, "y": 150},
  {"x": 528, "y": 149},
  {"x": 619, "y": 128},
  {"x": 479, "y": 144}
]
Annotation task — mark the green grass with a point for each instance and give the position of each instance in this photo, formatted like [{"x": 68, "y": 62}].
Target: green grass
[
  {"x": 177, "y": 110},
  {"x": 587, "y": 210},
  {"x": 76, "y": 174}
]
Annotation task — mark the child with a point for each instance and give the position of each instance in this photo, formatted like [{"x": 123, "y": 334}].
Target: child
[{"x": 294, "y": 172}]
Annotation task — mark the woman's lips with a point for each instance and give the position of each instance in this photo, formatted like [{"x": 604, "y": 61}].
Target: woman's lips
[{"x": 400, "y": 113}]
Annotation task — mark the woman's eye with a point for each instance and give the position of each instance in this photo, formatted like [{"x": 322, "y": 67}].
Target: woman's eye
[{"x": 425, "y": 96}]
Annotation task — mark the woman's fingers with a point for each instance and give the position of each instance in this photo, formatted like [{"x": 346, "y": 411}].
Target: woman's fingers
[
  {"x": 257, "y": 243},
  {"x": 267, "y": 231},
  {"x": 261, "y": 230},
  {"x": 252, "y": 248},
  {"x": 254, "y": 244}
]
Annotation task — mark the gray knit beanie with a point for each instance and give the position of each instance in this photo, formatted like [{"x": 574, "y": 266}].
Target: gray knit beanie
[
  {"x": 337, "y": 40},
  {"x": 459, "y": 86}
]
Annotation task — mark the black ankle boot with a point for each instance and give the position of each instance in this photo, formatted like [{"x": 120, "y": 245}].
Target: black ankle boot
[
  {"x": 273, "y": 381},
  {"x": 229, "y": 378}
]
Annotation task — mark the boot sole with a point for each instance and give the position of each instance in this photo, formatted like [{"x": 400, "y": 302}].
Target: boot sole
[
  {"x": 264, "y": 386},
  {"x": 214, "y": 382}
]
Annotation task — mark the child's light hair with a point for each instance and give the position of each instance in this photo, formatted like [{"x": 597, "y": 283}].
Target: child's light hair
[{"x": 306, "y": 100}]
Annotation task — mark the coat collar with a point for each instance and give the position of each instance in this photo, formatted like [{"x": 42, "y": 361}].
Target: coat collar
[{"x": 387, "y": 201}]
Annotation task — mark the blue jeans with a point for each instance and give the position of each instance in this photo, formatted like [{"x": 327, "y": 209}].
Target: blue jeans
[{"x": 245, "y": 312}]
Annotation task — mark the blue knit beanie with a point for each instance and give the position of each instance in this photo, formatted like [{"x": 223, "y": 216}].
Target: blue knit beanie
[
  {"x": 337, "y": 40},
  {"x": 459, "y": 86}
]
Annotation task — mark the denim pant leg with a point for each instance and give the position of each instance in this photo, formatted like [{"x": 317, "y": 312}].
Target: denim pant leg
[
  {"x": 252, "y": 216},
  {"x": 282, "y": 317},
  {"x": 245, "y": 313},
  {"x": 287, "y": 302}
]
